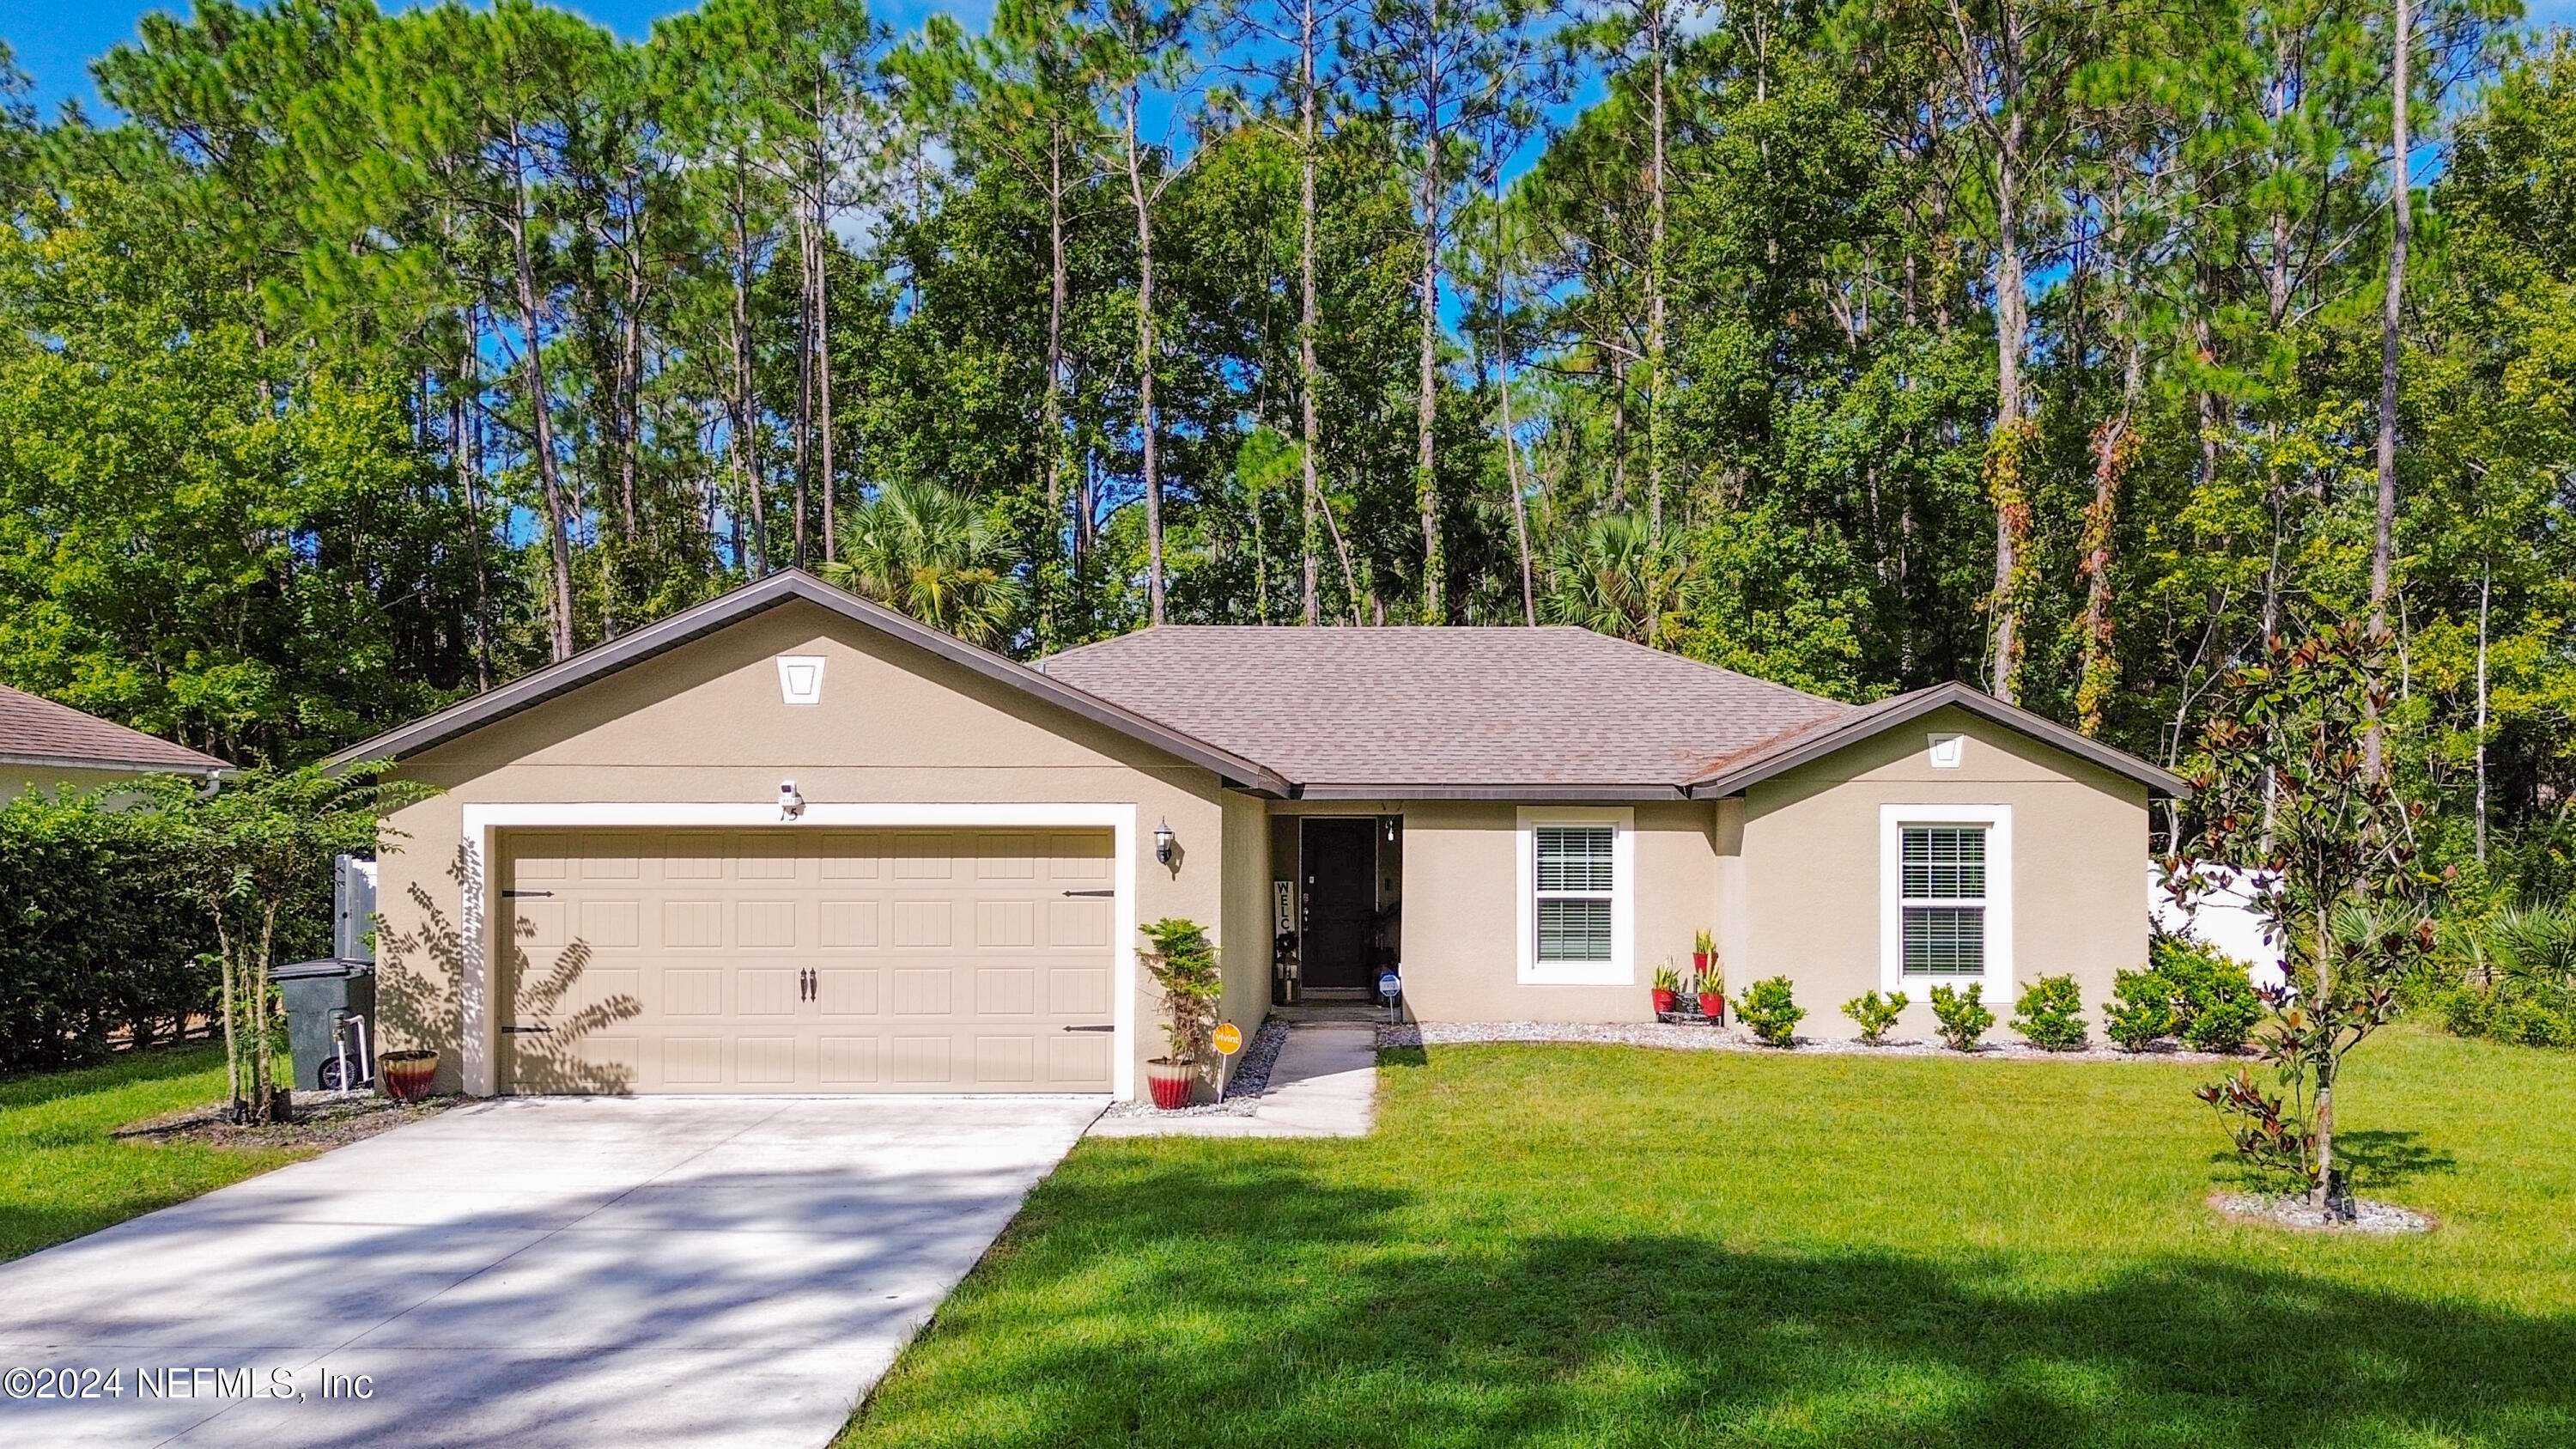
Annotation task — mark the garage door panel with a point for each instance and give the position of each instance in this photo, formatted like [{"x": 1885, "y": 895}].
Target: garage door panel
[
  {"x": 847, "y": 991},
  {"x": 722, "y": 960},
  {"x": 919, "y": 924},
  {"x": 847, "y": 924},
  {"x": 1006, "y": 991}
]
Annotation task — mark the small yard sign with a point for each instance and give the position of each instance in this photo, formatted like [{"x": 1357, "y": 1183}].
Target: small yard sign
[{"x": 1229, "y": 1038}]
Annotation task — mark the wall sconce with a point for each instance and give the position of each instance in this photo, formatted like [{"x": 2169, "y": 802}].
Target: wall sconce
[
  {"x": 790, "y": 804},
  {"x": 1163, "y": 843}
]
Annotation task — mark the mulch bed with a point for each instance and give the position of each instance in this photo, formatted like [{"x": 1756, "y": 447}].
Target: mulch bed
[
  {"x": 323, "y": 1120},
  {"x": 2296, "y": 1213},
  {"x": 1700, "y": 1036},
  {"x": 1249, "y": 1078}
]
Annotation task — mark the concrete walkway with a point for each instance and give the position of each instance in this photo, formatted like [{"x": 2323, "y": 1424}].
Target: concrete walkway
[
  {"x": 532, "y": 1273},
  {"x": 1324, "y": 1085}
]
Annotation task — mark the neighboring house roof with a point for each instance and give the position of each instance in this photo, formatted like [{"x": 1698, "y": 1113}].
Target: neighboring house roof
[
  {"x": 780, "y": 588},
  {"x": 1456, "y": 712},
  {"x": 1730, "y": 774},
  {"x": 36, "y": 731}
]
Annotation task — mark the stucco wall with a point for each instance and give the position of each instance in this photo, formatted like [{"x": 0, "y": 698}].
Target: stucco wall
[
  {"x": 55, "y": 780},
  {"x": 1247, "y": 912},
  {"x": 1811, "y": 864},
  {"x": 1462, "y": 912},
  {"x": 705, "y": 723}
]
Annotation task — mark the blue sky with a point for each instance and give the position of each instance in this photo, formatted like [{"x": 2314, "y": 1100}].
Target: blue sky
[{"x": 56, "y": 39}]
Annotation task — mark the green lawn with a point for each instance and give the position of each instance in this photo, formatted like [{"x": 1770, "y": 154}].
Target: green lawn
[
  {"x": 1601, "y": 1246},
  {"x": 61, "y": 1175}
]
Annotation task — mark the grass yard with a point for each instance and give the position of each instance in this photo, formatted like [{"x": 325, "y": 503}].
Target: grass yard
[
  {"x": 61, "y": 1175},
  {"x": 1607, "y": 1246}
]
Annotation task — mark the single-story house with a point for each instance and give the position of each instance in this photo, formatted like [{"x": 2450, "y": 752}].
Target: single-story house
[
  {"x": 49, "y": 746},
  {"x": 791, "y": 841}
]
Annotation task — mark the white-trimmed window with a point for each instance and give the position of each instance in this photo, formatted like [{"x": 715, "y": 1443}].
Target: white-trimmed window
[
  {"x": 1946, "y": 897},
  {"x": 1577, "y": 897}
]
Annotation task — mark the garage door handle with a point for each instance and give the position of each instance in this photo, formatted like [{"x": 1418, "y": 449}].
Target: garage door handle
[
  {"x": 1091, "y": 1028},
  {"x": 1091, "y": 893},
  {"x": 526, "y": 1030}
]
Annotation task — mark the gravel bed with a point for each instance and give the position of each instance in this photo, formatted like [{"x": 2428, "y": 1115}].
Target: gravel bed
[
  {"x": 322, "y": 1119},
  {"x": 1243, "y": 1089},
  {"x": 2298, "y": 1213},
  {"x": 1698, "y": 1036}
]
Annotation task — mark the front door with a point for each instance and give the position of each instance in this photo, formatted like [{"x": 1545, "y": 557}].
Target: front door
[{"x": 1341, "y": 903}]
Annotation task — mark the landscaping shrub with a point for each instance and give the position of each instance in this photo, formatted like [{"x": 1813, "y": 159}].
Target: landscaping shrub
[
  {"x": 2524, "y": 991},
  {"x": 1769, "y": 1009},
  {"x": 97, "y": 932},
  {"x": 1184, "y": 967},
  {"x": 1875, "y": 1013},
  {"x": 2051, "y": 1014},
  {"x": 1962, "y": 1014},
  {"x": 2214, "y": 1002},
  {"x": 2140, "y": 1011}
]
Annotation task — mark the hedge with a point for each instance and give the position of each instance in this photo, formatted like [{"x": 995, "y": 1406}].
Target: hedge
[{"x": 97, "y": 932}]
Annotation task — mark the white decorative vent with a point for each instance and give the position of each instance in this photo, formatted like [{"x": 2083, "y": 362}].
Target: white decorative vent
[
  {"x": 800, "y": 678},
  {"x": 1948, "y": 751}
]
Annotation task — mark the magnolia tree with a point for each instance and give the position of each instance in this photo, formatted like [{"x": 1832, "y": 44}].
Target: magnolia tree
[
  {"x": 259, "y": 843},
  {"x": 2284, "y": 785}
]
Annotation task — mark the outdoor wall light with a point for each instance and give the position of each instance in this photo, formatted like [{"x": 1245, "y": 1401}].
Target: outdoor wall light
[{"x": 1163, "y": 843}]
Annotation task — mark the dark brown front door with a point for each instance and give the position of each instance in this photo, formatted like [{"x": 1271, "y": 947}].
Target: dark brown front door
[{"x": 1341, "y": 902}]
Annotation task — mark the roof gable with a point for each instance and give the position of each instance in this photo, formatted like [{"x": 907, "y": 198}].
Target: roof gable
[
  {"x": 38, "y": 731},
  {"x": 662, "y": 636},
  {"x": 1733, "y": 774}
]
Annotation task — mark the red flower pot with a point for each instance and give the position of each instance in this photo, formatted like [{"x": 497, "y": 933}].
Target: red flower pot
[
  {"x": 406, "y": 1075},
  {"x": 1699, "y": 963},
  {"x": 1172, "y": 1083},
  {"x": 1712, "y": 1005},
  {"x": 1663, "y": 1000}
]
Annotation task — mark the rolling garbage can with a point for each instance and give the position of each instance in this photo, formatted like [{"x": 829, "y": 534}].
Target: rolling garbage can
[{"x": 330, "y": 1021}]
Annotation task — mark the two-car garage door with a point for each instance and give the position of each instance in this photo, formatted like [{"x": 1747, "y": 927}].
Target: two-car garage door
[{"x": 797, "y": 959}]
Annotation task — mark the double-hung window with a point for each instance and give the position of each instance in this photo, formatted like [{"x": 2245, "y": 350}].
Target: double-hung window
[
  {"x": 1577, "y": 896},
  {"x": 1944, "y": 900},
  {"x": 1576, "y": 878},
  {"x": 1946, "y": 897}
]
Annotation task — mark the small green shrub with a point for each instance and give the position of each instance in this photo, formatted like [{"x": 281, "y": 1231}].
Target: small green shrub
[
  {"x": 2215, "y": 1004},
  {"x": 1962, "y": 1014},
  {"x": 1875, "y": 1013},
  {"x": 2140, "y": 1011},
  {"x": 2525, "y": 990},
  {"x": 2051, "y": 1015},
  {"x": 1771, "y": 1011}
]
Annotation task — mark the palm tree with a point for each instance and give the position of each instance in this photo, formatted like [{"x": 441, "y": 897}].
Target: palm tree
[
  {"x": 1611, "y": 576},
  {"x": 933, "y": 554}
]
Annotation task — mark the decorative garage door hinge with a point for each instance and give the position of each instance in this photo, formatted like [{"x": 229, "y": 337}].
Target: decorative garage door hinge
[
  {"x": 1091, "y": 893},
  {"x": 524, "y": 895}
]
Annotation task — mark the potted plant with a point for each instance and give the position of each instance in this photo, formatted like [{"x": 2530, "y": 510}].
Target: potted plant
[
  {"x": 406, "y": 1075},
  {"x": 1712, "y": 988},
  {"x": 1184, "y": 967},
  {"x": 1704, "y": 951},
  {"x": 1668, "y": 988}
]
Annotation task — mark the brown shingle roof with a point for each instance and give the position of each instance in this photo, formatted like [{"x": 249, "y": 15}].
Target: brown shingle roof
[
  {"x": 1493, "y": 709},
  {"x": 36, "y": 731}
]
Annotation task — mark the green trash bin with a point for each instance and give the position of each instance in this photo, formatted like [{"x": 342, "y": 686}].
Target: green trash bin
[{"x": 330, "y": 1021}]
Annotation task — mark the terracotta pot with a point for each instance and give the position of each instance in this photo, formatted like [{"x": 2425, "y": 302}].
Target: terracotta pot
[
  {"x": 406, "y": 1075},
  {"x": 1664, "y": 1000},
  {"x": 1172, "y": 1083},
  {"x": 1712, "y": 1005}
]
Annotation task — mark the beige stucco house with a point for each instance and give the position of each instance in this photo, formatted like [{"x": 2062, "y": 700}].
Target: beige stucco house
[
  {"x": 790, "y": 841},
  {"x": 52, "y": 747}
]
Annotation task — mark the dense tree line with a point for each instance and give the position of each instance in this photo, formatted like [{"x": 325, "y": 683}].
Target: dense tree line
[{"x": 2071, "y": 349}]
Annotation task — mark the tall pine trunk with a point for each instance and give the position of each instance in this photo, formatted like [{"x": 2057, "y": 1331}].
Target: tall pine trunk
[
  {"x": 1145, "y": 359},
  {"x": 1426, "y": 484},
  {"x": 2391, "y": 315},
  {"x": 541, "y": 420},
  {"x": 2008, "y": 451},
  {"x": 1310, "y": 432}
]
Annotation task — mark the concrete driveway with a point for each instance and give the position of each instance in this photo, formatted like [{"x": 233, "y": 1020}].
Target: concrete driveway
[{"x": 534, "y": 1272}]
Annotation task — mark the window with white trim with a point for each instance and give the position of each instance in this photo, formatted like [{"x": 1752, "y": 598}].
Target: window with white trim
[
  {"x": 1575, "y": 883},
  {"x": 1576, "y": 895},
  {"x": 1944, "y": 900},
  {"x": 1946, "y": 897}
]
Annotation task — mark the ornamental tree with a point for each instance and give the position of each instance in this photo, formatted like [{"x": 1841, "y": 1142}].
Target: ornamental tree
[{"x": 2285, "y": 792}]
